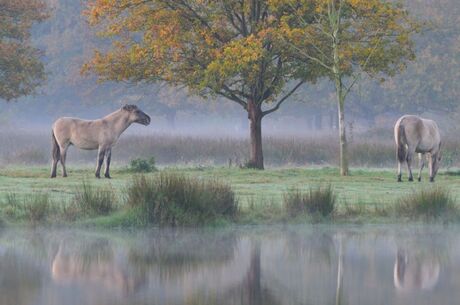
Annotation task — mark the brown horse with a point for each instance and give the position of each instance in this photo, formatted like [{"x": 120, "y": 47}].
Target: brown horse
[
  {"x": 416, "y": 135},
  {"x": 101, "y": 134}
]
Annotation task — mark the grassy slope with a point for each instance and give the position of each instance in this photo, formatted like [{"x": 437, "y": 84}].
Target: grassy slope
[{"x": 364, "y": 186}]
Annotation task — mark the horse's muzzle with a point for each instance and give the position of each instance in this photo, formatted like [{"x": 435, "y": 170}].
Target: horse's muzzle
[{"x": 145, "y": 121}]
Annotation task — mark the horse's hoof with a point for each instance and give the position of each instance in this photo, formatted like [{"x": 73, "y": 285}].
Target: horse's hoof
[
  {"x": 411, "y": 179},
  {"x": 399, "y": 180},
  {"x": 108, "y": 177},
  {"x": 64, "y": 176},
  {"x": 419, "y": 179},
  {"x": 98, "y": 176},
  {"x": 431, "y": 179}
]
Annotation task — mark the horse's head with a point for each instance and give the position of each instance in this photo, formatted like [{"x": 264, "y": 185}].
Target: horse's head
[{"x": 136, "y": 115}]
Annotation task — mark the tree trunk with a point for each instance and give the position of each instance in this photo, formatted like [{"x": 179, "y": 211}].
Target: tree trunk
[
  {"x": 339, "y": 89},
  {"x": 342, "y": 130},
  {"x": 255, "y": 128}
]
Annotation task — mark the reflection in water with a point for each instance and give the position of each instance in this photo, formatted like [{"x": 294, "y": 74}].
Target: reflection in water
[
  {"x": 94, "y": 263},
  {"x": 293, "y": 265},
  {"x": 413, "y": 272}
]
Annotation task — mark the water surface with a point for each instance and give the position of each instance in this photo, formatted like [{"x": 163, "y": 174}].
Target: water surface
[{"x": 277, "y": 265}]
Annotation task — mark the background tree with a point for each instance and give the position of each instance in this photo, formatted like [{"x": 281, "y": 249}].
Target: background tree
[
  {"x": 220, "y": 48},
  {"x": 348, "y": 37},
  {"x": 21, "y": 70}
]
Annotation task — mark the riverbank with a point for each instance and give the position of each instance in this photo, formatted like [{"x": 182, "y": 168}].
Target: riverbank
[{"x": 367, "y": 196}]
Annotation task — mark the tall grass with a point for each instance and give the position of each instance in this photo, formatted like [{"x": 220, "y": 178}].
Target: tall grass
[
  {"x": 428, "y": 203},
  {"x": 171, "y": 199},
  {"x": 365, "y": 150},
  {"x": 374, "y": 147},
  {"x": 94, "y": 201},
  {"x": 318, "y": 201},
  {"x": 37, "y": 207},
  {"x": 261, "y": 210},
  {"x": 33, "y": 208}
]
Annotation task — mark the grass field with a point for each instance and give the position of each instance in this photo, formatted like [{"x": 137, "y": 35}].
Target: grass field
[{"x": 364, "y": 189}]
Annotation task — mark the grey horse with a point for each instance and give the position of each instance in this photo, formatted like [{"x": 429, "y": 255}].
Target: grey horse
[
  {"x": 416, "y": 135},
  {"x": 101, "y": 134}
]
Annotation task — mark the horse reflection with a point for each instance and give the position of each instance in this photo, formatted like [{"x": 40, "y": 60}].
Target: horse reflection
[
  {"x": 415, "y": 272},
  {"x": 96, "y": 264}
]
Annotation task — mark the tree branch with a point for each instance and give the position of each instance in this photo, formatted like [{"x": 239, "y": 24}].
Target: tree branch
[{"x": 281, "y": 101}]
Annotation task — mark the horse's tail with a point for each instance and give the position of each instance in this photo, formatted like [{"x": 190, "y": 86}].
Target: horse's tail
[
  {"x": 401, "y": 143},
  {"x": 56, "y": 152}
]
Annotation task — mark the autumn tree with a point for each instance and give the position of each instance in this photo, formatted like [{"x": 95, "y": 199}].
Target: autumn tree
[
  {"x": 346, "y": 38},
  {"x": 21, "y": 69},
  {"x": 228, "y": 48}
]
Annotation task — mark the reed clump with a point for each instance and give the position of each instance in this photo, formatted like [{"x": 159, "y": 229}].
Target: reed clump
[
  {"x": 428, "y": 203},
  {"x": 94, "y": 201},
  {"x": 171, "y": 199}
]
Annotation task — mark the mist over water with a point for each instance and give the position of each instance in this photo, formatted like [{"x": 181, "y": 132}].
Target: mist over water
[{"x": 277, "y": 265}]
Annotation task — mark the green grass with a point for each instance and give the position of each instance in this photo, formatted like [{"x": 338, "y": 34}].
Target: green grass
[
  {"x": 258, "y": 192},
  {"x": 317, "y": 201}
]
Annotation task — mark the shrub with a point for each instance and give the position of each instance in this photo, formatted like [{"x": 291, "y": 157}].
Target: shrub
[
  {"x": 430, "y": 202},
  {"x": 317, "y": 201},
  {"x": 174, "y": 199},
  {"x": 143, "y": 165},
  {"x": 94, "y": 201}
]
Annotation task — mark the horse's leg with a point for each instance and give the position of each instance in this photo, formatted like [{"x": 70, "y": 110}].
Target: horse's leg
[
  {"x": 401, "y": 154},
  {"x": 399, "y": 171},
  {"x": 431, "y": 163},
  {"x": 421, "y": 162},
  {"x": 54, "y": 167},
  {"x": 63, "y": 158},
  {"x": 55, "y": 155},
  {"x": 100, "y": 160},
  {"x": 410, "y": 155},
  {"x": 108, "y": 156}
]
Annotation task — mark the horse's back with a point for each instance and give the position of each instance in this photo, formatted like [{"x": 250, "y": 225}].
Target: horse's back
[
  {"x": 407, "y": 129},
  {"x": 80, "y": 133},
  {"x": 423, "y": 134}
]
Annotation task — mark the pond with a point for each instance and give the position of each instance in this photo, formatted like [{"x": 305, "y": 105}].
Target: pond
[{"x": 245, "y": 265}]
